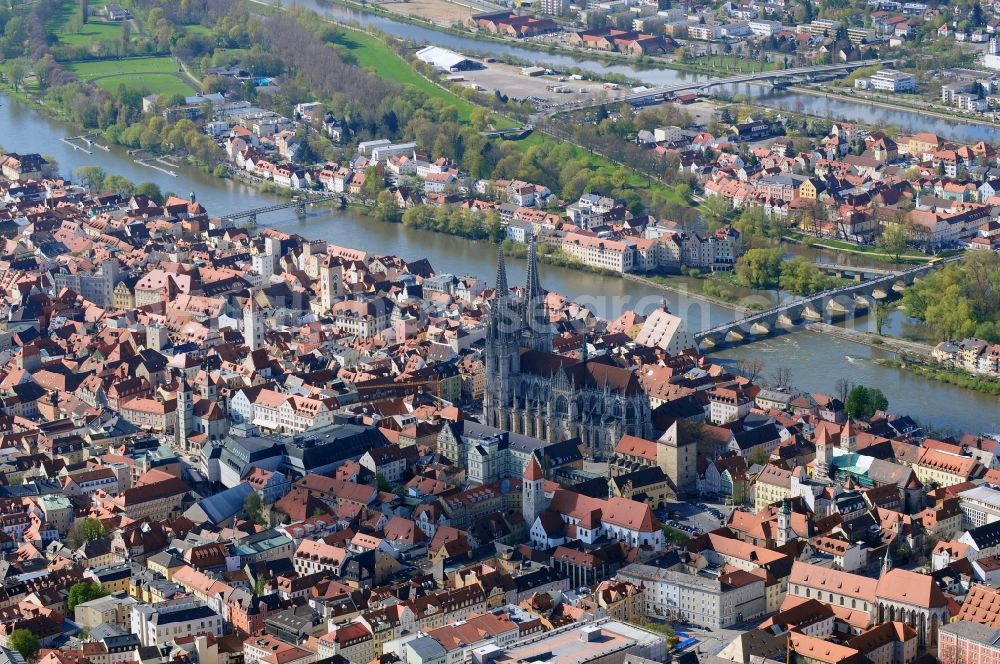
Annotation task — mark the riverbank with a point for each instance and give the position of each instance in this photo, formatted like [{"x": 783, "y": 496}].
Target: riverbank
[
  {"x": 894, "y": 344},
  {"x": 938, "y": 372},
  {"x": 687, "y": 292},
  {"x": 643, "y": 62},
  {"x": 891, "y": 106},
  {"x": 847, "y": 247}
]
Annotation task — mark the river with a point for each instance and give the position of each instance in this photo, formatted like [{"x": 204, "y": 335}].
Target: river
[
  {"x": 848, "y": 110},
  {"x": 816, "y": 361}
]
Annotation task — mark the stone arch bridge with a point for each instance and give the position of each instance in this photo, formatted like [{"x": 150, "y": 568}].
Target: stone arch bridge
[{"x": 835, "y": 304}]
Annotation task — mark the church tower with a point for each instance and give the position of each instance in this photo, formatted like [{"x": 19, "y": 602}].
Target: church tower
[
  {"x": 503, "y": 358},
  {"x": 533, "y": 492},
  {"x": 329, "y": 285},
  {"x": 849, "y": 437},
  {"x": 824, "y": 455},
  {"x": 185, "y": 411},
  {"x": 537, "y": 333},
  {"x": 253, "y": 324},
  {"x": 785, "y": 533}
]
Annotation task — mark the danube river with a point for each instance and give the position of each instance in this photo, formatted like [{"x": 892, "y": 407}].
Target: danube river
[
  {"x": 816, "y": 361},
  {"x": 841, "y": 109}
]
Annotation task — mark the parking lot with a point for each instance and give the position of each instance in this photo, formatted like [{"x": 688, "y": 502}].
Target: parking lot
[
  {"x": 509, "y": 80},
  {"x": 696, "y": 517}
]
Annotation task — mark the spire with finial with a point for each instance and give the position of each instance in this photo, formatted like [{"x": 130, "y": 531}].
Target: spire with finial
[
  {"x": 534, "y": 313},
  {"x": 532, "y": 284},
  {"x": 887, "y": 561},
  {"x": 583, "y": 346},
  {"x": 501, "y": 282}
]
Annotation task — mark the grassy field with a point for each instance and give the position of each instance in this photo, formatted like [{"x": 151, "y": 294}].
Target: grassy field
[
  {"x": 726, "y": 64},
  {"x": 92, "y": 31},
  {"x": 827, "y": 243},
  {"x": 197, "y": 29},
  {"x": 370, "y": 53},
  {"x": 158, "y": 75}
]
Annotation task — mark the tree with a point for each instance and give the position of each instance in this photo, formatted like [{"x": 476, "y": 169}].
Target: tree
[
  {"x": 86, "y": 530},
  {"x": 23, "y": 641},
  {"x": 84, "y": 591},
  {"x": 801, "y": 277},
  {"x": 382, "y": 483},
  {"x": 254, "y": 508},
  {"x": 960, "y": 299},
  {"x": 841, "y": 389},
  {"x": 125, "y": 36},
  {"x": 862, "y": 402},
  {"x": 781, "y": 377},
  {"x": 893, "y": 241},
  {"x": 386, "y": 208},
  {"x": 15, "y": 71},
  {"x": 373, "y": 183},
  {"x": 881, "y": 316},
  {"x": 759, "y": 268},
  {"x": 119, "y": 184},
  {"x": 750, "y": 368},
  {"x": 715, "y": 211},
  {"x": 151, "y": 190},
  {"x": 91, "y": 177},
  {"x": 758, "y": 457}
]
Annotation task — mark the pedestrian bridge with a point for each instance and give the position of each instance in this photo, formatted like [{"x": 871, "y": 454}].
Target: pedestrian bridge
[{"x": 829, "y": 305}]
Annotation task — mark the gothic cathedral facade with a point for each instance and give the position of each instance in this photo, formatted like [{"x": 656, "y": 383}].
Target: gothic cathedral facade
[{"x": 532, "y": 391}]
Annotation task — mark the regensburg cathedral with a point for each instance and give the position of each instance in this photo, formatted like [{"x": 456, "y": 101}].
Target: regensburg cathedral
[{"x": 532, "y": 391}]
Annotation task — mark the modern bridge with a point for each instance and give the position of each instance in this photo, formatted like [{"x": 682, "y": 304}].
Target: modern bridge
[{"x": 661, "y": 93}]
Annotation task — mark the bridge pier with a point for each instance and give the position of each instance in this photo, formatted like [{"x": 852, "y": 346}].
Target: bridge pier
[
  {"x": 812, "y": 313},
  {"x": 710, "y": 341},
  {"x": 300, "y": 210},
  {"x": 879, "y": 294},
  {"x": 840, "y": 304},
  {"x": 760, "y": 329},
  {"x": 786, "y": 319},
  {"x": 860, "y": 301},
  {"x": 735, "y": 335}
]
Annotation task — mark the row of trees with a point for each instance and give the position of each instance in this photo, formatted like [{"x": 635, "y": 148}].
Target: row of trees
[
  {"x": 95, "y": 178},
  {"x": 455, "y": 221}
]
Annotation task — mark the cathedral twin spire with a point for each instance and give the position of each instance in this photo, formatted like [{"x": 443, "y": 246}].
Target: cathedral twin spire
[{"x": 534, "y": 324}]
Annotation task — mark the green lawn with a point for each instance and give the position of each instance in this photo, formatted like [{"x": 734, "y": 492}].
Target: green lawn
[
  {"x": 371, "y": 53},
  {"x": 855, "y": 248},
  {"x": 674, "y": 535},
  {"x": 635, "y": 180},
  {"x": 197, "y": 29},
  {"x": 158, "y": 75},
  {"x": 94, "y": 30},
  {"x": 730, "y": 64}
]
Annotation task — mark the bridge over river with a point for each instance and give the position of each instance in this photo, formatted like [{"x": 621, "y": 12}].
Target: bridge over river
[
  {"x": 297, "y": 203},
  {"x": 663, "y": 93},
  {"x": 837, "y": 303}
]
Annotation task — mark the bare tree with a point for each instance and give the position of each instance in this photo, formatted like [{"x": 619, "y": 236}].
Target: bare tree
[
  {"x": 841, "y": 389},
  {"x": 781, "y": 377},
  {"x": 750, "y": 367}
]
